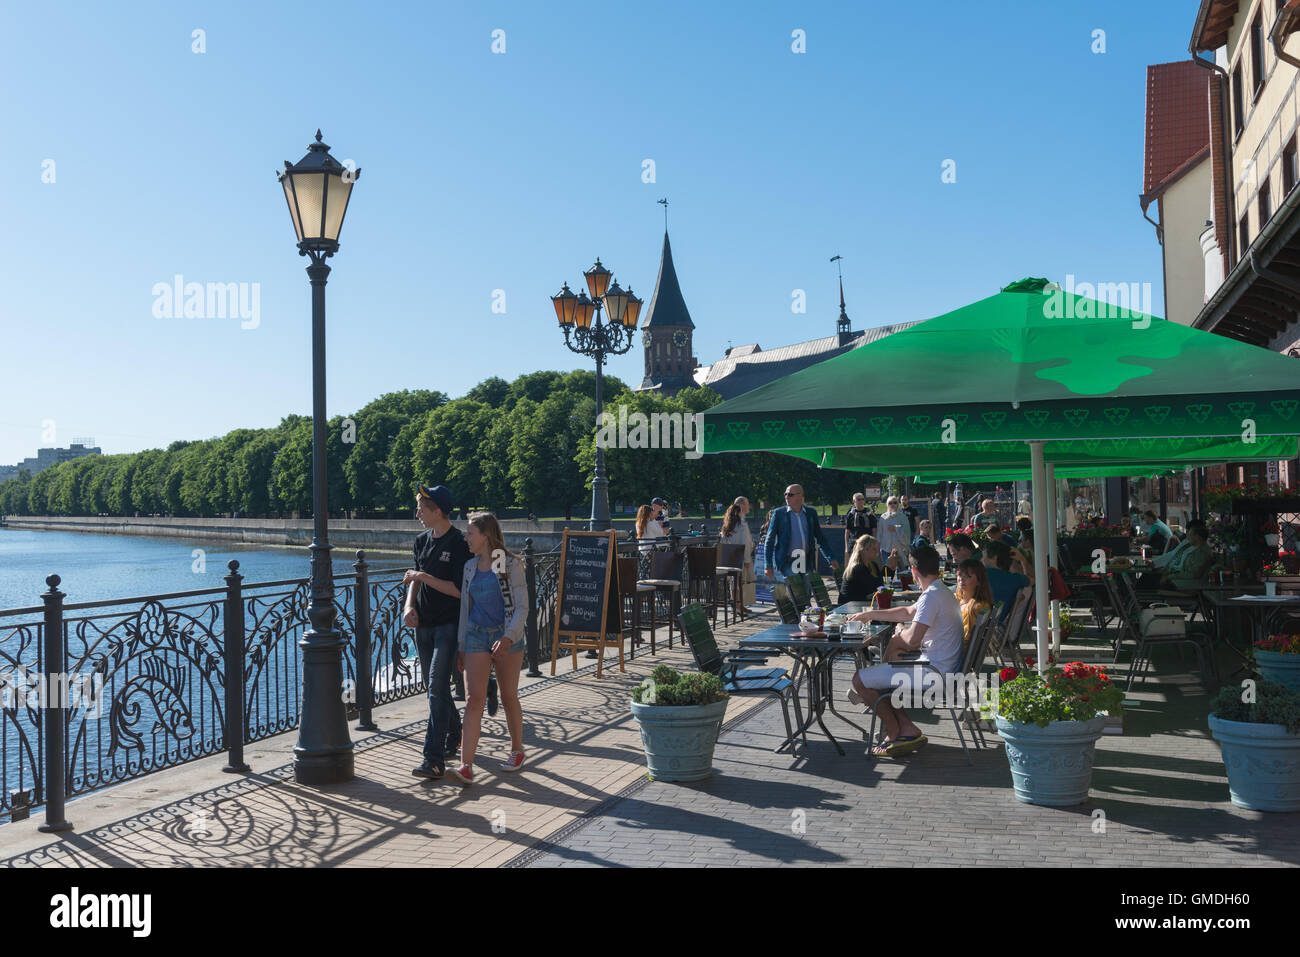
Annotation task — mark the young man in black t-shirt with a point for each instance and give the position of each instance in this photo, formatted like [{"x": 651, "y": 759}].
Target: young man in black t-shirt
[
  {"x": 433, "y": 610},
  {"x": 858, "y": 521}
]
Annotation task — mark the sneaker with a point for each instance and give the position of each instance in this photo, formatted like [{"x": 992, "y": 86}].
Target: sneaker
[
  {"x": 492, "y": 697},
  {"x": 464, "y": 774},
  {"x": 514, "y": 762},
  {"x": 429, "y": 769},
  {"x": 855, "y": 698}
]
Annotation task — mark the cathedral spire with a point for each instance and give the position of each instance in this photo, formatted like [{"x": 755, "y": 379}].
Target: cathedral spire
[
  {"x": 667, "y": 307},
  {"x": 842, "y": 325}
]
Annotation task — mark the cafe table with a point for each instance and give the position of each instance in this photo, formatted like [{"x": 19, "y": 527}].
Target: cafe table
[
  {"x": 815, "y": 663},
  {"x": 1263, "y": 611}
]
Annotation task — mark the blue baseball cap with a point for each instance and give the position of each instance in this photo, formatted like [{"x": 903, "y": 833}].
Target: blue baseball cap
[{"x": 439, "y": 495}]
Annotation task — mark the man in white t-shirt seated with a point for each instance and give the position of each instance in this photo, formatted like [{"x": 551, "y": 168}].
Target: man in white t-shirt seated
[{"x": 933, "y": 626}]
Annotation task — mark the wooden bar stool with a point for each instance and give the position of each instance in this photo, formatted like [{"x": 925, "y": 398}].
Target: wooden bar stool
[
  {"x": 702, "y": 565},
  {"x": 633, "y": 591},
  {"x": 731, "y": 570},
  {"x": 666, "y": 579}
]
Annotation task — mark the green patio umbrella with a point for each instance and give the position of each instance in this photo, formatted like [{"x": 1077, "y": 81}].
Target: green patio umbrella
[{"x": 1029, "y": 376}]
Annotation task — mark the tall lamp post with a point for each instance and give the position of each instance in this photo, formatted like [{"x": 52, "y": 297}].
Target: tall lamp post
[
  {"x": 598, "y": 337},
  {"x": 317, "y": 189}
]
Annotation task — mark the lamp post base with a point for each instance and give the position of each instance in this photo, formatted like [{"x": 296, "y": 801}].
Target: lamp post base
[{"x": 319, "y": 767}]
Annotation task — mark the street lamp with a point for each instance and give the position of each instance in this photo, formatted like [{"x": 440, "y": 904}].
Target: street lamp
[
  {"x": 598, "y": 339},
  {"x": 317, "y": 190}
]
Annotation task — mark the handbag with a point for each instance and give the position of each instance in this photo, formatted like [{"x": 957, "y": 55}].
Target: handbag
[
  {"x": 1160, "y": 620},
  {"x": 1057, "y": 589}
]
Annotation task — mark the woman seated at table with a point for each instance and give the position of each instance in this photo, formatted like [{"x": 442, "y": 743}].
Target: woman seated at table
[
  {"x": 925, "y": 534},
  {"x": 933, "y": 627},
  {"x": 973, "y": 592},
  {"x": 864, "y": 573}
]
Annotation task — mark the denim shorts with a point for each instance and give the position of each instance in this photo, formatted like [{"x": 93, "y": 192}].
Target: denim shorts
[{"x": 478, "y": 639}]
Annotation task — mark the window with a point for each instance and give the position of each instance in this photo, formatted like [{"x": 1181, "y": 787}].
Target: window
[
  {"x": 1265, "y": 202},
  {"x": 1237, "y": 111},
  {"x": 1257, "y": 50},
  {"x": 1243, "y": 236},
  {"x": 1290, "y": 169}
]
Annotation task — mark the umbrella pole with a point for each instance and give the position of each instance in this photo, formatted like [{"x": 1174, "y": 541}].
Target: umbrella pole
[
  {"x": 1050, "y": 545},
  {"x": 1038, "y": 471}
]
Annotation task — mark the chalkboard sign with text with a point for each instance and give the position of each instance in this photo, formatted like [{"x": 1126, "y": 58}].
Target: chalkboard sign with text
[{"x": 587, "y": 597}]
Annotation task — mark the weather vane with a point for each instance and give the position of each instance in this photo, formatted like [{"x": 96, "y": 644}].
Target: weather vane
[{"x": 664, "y": 203}]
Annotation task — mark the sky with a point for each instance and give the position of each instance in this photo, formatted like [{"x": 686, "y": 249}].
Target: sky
[{"x": 136, "y": 150}]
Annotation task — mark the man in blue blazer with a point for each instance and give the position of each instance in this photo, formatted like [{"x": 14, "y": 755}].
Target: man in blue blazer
[{"x": 794, "y": 537}]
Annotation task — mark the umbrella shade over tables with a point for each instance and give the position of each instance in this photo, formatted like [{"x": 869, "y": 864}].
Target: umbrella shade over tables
[{"x": 1032, "y": 375}]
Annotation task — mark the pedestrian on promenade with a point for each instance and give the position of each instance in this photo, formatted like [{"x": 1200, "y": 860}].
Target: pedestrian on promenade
[
  {"x": 858, "y": 521},
  {"x": 432, "y": 609},
  {"x": 490, "y": 634},
  {"x": 894, "y": 529},
  {"x": 793, "y": 538},
  {"x": 735, "y": 531},
  {"x": 647, "y": 529},
  {"x": 659, "y": 515},
  {"x": 913, "y": 517}
]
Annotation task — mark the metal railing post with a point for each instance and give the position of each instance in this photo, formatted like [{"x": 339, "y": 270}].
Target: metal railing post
[
  {"x": 530, "y": 574},
  {"x": 233, "y": 619},
  {"x": 54, "y": 711},
  {"x": 365, "y": 675}
]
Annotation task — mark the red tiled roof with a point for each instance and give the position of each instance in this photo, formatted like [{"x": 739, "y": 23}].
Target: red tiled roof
[{"x": 1178, "y": 120}]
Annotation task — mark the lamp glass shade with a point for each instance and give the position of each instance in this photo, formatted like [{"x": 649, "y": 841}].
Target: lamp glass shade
[
  {"x": 597, "y": 280},
  {"x": 339, "y": 191},
  {"x": 615, "y": 303},
  {"x": 582, "y": 310},
  {"x": 309, "y": 191},
  {"x": 565, "y": 302},
  {"x": 633, "y": 312},
  {"x": 287, "y": 182}
]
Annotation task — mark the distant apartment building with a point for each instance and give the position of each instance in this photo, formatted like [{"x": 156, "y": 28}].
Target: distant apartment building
[
  {"x": 1221, "y": 170},
  {"x": 47, "y": 457}
]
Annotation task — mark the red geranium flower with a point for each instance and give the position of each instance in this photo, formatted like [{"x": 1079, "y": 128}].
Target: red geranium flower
[{"x": 1008, "y": 674}]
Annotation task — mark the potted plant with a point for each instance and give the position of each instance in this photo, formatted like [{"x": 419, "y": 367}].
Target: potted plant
[
  {"x": 1050, "y": 724},
  {"x": 1259, "y": 734},
  {"x": 1277, "y": 658},
  {"x": 680, "y": 716}
]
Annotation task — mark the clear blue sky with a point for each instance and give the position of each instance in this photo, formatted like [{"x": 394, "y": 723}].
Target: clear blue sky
[{"x": 484, "y": 171}]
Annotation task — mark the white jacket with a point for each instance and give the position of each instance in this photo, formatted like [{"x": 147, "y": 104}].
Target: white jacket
[{"x": 514, "y": 592}]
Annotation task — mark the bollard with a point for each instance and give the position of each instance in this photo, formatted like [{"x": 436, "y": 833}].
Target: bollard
[
  {"x": 233, "y": 618},
  {"x": 365, "y": 674},
  {"x": 54, "y": 712},
  {"x": 530, "y": 574}
]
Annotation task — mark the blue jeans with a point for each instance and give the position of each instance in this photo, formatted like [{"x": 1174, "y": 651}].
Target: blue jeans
[{"x": 437, "y": 647}]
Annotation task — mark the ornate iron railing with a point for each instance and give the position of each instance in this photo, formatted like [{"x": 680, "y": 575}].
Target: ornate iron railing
[{"x": 152, "y": 682}]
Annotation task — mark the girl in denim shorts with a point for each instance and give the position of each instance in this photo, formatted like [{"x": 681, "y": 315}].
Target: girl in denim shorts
[{"x": 493, "y": 612}]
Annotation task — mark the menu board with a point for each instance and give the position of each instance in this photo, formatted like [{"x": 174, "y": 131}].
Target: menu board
[{"x": 587, "y": 596}]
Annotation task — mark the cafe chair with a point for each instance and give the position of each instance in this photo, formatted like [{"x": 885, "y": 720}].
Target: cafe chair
[
  {"x": 817, "y": 585},
  {"x": 666, "y": 579},
  {"x": 634, "y": 593},
  {"x": 799, "y": 592},
  {"x": 784, "y": 601},
  {"x": 957, "y": 708},
  {"x": 735, "y": 679}
]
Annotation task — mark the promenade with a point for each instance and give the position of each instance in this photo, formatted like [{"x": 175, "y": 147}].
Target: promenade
[{"x": 1159, "y": 797}]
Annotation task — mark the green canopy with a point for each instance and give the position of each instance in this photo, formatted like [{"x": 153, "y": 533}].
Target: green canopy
[
  {"x": 1010, "y": 385},
  {"x": 1100, "y": 386}
]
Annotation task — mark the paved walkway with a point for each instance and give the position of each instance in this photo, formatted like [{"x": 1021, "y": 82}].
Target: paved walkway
[
  {"x": 583, "y": 750},
  {"x": 1159, "y": 797}
]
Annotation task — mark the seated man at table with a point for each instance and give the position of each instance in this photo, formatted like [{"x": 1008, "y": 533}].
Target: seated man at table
[
  {"x": 1002, "y": 580},
  {"x": 934, "y": 627},
  {"x": 1187, "y": 563}
]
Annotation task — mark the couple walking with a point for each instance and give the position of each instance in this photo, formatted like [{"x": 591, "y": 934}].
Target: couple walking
[{"x": 467, "y": 600}]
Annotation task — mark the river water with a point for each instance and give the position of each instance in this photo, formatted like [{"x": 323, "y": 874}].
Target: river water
[{"x": 100, "y": 567}]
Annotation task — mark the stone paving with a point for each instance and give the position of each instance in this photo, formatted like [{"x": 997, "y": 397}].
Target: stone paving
[
  {"x": 584, "y": 800},
  {"x": 583, "y": 747},
  {"x": 1159, "y": 798}
]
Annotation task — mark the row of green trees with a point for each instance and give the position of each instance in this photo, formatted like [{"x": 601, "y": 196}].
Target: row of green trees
[{"x": 526, "y": 444}]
